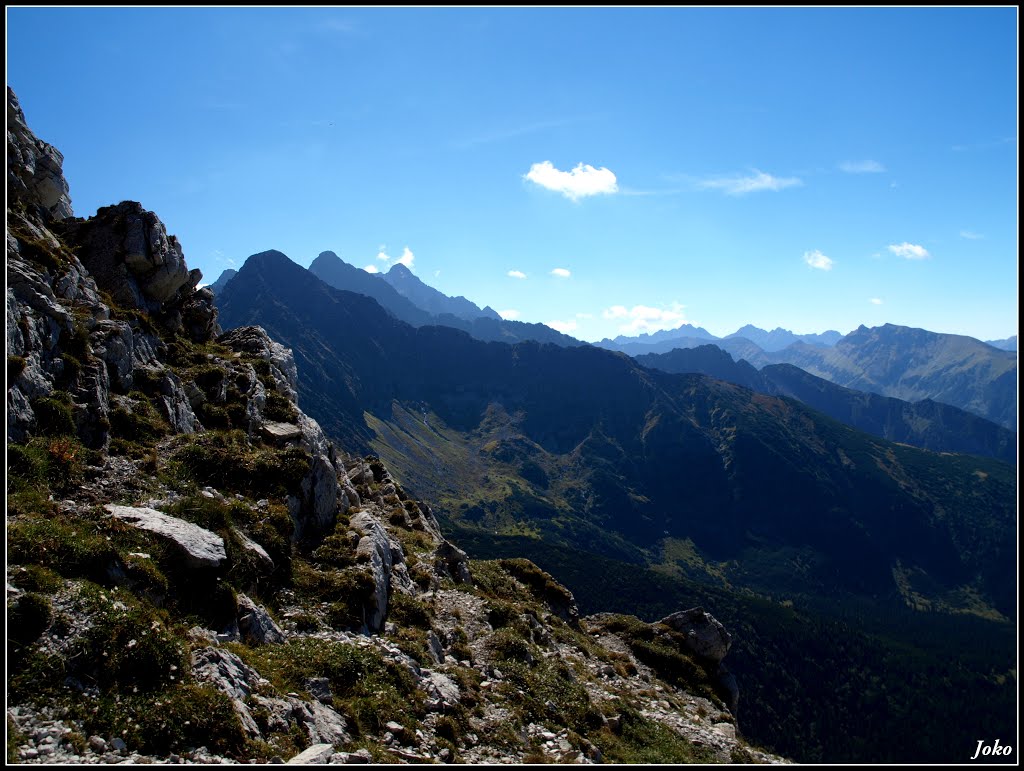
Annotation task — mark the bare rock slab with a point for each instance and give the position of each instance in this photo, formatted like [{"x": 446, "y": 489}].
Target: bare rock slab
[{"x": 202, "y": 549}]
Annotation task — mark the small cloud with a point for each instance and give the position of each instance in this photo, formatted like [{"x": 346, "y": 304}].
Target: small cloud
[
  {"x": 646, "y": 318},
  {"x": 510, "y": 315},
  {"x": 971, "y": 235},
  {"x": 582, "y": 181},
  {"x": 818, "y": 260},
  {"x": 561, "y": 273},
  {"x": 337, "y": 25},
  {"x": 406, "y": 258},
  {"x": 437, "y": 273},
  {"x": 757, "y": 182},
  {"x": 862, "y": 167},
  {"x": 516, "y": 274},
  {"x": 584, "y": 315},
  {"x": 615, "y": 312},
  {"x": 382, "y": 255},
  {"x": 909, "y": 251},
  {"x": 875, "y": 300},
  {"x": 371, "y": 268},
  {"x": 565, "y": 327}
]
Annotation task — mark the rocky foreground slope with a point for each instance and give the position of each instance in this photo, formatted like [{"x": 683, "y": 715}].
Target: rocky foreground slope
[{"x": 195, "y": 573}]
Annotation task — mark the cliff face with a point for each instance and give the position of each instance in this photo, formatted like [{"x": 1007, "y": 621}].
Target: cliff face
[{"x": 196, "y": 572}]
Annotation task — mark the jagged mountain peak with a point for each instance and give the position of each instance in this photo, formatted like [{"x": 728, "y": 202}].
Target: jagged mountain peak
[{"x": 398, "y": 269}]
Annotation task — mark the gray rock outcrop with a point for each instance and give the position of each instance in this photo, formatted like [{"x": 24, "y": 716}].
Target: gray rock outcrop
[
  {"x": 201, "y": 548},
  {"x": 35, "y": 174},
  {"x": 255, "y": 625},
  {"x": 231, "y": 676},
  {"x": 705, "y": 635}
]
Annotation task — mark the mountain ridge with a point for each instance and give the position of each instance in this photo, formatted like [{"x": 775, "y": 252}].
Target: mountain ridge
[
  {"x": 430, "y": 299},
  {"x": 927, "y": 424}
]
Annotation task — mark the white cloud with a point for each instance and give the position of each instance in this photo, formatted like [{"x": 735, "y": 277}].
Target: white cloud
[
  {"x": 371, "y": 269},
  {"x": 875, "y": 300},
  {"x": 751, "y": 184},
  {"x": 565, "y": 327},
  {"x": 615, "y": 312},
  {"x": 510, "y": 315},
  {"x": 971, "y": 235},
  {"x": 646, "y": 318},
  {"x": 909, "y": 251},
  {"x": 516, "y": 274},
  {"x": 406, "y": 259},
  {"x": 561, "y": 273},
  {"x": 862, "y": 167},
  {"x": 818, "y": 260},
  {"x": 582, "y": 181},
  {"x": 584, "y": 315}
]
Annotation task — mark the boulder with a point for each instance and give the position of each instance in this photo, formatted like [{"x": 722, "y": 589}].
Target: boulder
[
  {"x": 201, "y": 548},
  {"x": 258, "y": 553},
  {"x": 452, "y": 562},
  {"x": 316, "y": 754},
  {"x": 280, "y": 433},
  {"x": 255, "y": 625},
  {"x": 705, "y": 635}
]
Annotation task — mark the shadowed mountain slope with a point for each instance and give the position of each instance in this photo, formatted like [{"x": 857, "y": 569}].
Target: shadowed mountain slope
[{"x": 927, "y": 424}]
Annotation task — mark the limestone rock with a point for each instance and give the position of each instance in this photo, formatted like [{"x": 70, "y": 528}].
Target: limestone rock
[
  {"x": 453, "y": 562},
  {"x": 320, "y": 688},
  {"x": 129, "y": 253},
  {"x": 255, "y": 625},
  {"x": 327, "y": 725},
  {"x": 375, "y": 549},
  {"x": 257, "y": 552},
  {"x": 202, "y": 549},
  {"x": 705, "y": 635},
  {"x": 256, "y": 342},
  {"x": 174, "y": 402},
  {"x": 114, "y": 344},
  {"x": 319, "y": 507},
  {"x": 34, "y": 168},
  {"x": 316, "y": 754},
  {"x": 199, "y": 315},
  {"x": 440, "y": 688},
  {"x": 280, "y": 433},
  {"x": 230, "y": 675}
]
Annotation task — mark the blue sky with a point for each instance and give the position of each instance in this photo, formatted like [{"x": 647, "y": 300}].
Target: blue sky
[{"x": 608, "y": 171}]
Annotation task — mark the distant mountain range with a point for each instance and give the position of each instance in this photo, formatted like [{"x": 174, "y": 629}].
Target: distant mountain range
[
  {"x": 1006, "y": 344},
  {"x": 915, "y": 364},
  {"x": 899, "y": 362},
  {"x": 927, "y": 423},
  {"x": 687, "y": 335}
]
